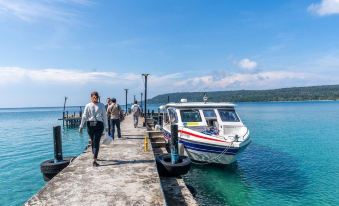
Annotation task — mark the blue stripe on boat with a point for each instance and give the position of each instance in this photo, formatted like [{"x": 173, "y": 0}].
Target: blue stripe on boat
[{"x": 207, "y": 148}]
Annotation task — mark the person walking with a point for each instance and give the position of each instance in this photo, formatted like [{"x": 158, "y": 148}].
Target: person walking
[
  {"x": 95, "y": 117},
  {"x": 109, "y": 102},
  {"x": 136, "y": 111},
  {"x": 115, "y": 112}
]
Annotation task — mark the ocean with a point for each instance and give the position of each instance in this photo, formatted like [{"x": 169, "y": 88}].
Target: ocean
[
  {"x": 26, "y": 140},
  {"x": 292, "y": 160}
]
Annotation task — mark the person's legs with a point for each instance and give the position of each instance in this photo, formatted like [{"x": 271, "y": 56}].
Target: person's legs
[
  {"x": 96, "y": 141},
  {"x": 109, "y": 125},
  {"x": 90, "y": 131},
  {"x": 134, "y": 121},
  {"x": 112, "y": 127},
  {"x": 92, "y": 139},
  {"x": 117, "y": 122}
]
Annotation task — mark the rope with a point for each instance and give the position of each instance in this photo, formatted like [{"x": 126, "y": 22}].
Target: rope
[
  {"x": 223, "y": 152},
  {"x": 217, "y": 157}
]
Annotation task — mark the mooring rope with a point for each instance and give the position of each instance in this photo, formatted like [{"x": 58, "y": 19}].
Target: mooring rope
[
  {"x": 223, "y": 152},
  {"x": 217, "y": 157}
]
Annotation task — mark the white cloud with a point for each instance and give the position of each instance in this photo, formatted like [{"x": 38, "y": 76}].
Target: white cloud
[
  {"x": 261, "y": 80},
  {"x": 325, "y": 7},
  {"x": 33, "y": 10},
  {"x": 10, "y": 75},
  {"x": 53, "y": 84},
  {"x": 160, "y": 83},
  {"x": 247, "y": 64}
]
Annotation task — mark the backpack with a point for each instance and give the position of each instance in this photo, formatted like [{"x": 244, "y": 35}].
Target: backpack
[{"x": 136, "y": 110}]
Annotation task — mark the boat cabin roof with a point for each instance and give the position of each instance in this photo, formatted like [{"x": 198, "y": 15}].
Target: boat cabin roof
[{"x": 200, "y": 105}]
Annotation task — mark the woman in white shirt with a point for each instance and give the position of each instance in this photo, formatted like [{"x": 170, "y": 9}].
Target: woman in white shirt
[{"x": 96, "y": 119}]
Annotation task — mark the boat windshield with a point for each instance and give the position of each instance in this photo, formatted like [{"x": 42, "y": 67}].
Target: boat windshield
[
  {"x": 190, "y": 115},
  {"x": 209, "y": 113},
  {"x": 228, "y": 115},
  {"x": 172, "y": 116}
]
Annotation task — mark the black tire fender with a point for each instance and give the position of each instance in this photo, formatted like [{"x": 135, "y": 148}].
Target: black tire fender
[
  {"x": 48, "y": 177},
  {"x": 49, "y": 167},
  {"x": 166, "y": 168}
]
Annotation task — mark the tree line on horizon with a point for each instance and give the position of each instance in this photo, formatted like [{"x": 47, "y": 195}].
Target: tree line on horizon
[{"x": 326, "y": 92}]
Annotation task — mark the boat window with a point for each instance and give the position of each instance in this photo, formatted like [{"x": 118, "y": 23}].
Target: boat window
[
  {"x": 228, "y": 115},
  {"x": 172, "y": 116},
  {"x": 190, "y": 116},
  {"x": 209, "y": 113}
]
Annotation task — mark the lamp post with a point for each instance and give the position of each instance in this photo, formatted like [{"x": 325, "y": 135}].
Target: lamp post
[
  {"x": 141, "y": 102},
  {"x": 141, "y": 99},
  {"x": 63, "y": 113},
  {"x": 126, "y": 90},
  {"x": 145, "y": 75}
]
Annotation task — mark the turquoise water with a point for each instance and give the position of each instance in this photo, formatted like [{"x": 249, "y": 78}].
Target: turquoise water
[
  {"x": 25, "y": 141},
  {"x": 293, "y": 158}
]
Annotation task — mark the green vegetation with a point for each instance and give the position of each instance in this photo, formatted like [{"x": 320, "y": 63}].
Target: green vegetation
[{"x": 328, "y": 92}]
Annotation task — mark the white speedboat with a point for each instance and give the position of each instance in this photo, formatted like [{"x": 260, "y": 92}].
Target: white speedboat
[{"x": 208, "y": 132}]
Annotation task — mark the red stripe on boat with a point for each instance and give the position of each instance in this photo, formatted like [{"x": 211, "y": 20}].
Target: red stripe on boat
[{"x": 199, "y": 136}]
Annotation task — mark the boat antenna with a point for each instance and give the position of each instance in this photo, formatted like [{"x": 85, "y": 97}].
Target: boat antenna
[{"x": 205, "y": 98}]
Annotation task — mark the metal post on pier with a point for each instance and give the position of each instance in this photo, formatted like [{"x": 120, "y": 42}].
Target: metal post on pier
[
  {"x": 63, "y": 113},
  {"x": 145, "y": 75},
  {"x": 63, "y": 118},
  {"x": 57, "y": 144},
  {"x": 141, "y": 103},
  {"x": 159, "y": 117},
  {"x": 174, "y": 144},
  {"x": 126, "y": 90}
]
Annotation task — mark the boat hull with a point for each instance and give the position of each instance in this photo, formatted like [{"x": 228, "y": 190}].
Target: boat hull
[
  {"x": 210, "y": 157},
  {"x": 209, "y": 152},
  {"x": 203, "y": 152}
]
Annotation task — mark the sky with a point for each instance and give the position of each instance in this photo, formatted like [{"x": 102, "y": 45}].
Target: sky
[{"x": 50, "y": 49}]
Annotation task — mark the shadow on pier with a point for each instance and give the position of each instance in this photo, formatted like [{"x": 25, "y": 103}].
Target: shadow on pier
[{"x": 103, "y": 163}]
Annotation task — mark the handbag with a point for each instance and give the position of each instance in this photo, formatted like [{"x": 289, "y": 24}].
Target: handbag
[{"x": 106, "y": 139}]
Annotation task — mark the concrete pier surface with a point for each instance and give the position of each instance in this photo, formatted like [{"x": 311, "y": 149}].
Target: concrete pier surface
[{"x": 126, "y": 176}]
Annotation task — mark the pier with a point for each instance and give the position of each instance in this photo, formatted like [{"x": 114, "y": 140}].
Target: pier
[
  {"x": 127, "y": 175},
  {"x": 71, "y": 119}
]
